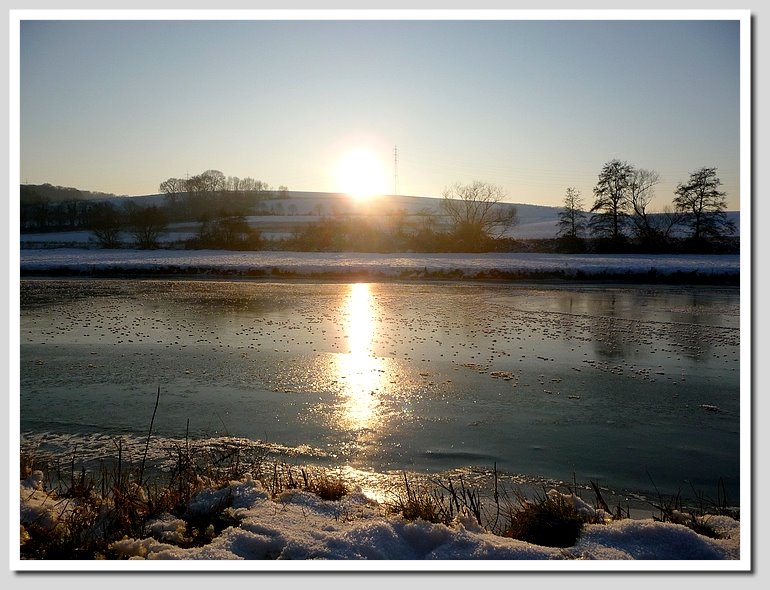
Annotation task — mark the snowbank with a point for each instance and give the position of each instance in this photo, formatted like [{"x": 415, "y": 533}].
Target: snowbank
[
  {"x": 502, "y": 265},
  {"x": 299, "y": 526}
]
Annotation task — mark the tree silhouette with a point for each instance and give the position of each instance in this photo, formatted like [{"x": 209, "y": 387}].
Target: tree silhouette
[
  {"x": 703, "y": 205},
  {"x": 477, "y": 215},
  {"x": 105, "y": 221},
  {"x": 148, "y": 224},
  {"x": 612, "y": 201},
  {"x": 641, "y": 190},
  {"x": 572, "y": 218}
]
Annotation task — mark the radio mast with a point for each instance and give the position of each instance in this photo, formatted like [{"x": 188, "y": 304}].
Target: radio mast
[{"x": 395, "y": 170}]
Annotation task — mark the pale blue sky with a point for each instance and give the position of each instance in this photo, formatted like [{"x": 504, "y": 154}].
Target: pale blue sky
[{"x": 535, "y": 106}]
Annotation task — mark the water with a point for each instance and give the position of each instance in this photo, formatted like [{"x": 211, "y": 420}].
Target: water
[{"x": 637, "y": 388}]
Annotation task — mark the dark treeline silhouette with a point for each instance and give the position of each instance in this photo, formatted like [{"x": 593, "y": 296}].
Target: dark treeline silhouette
[
  {"x": 218, "y": 204},
  {"x": 54, "y": 194},
  {"x": 619, "y": 220},
  {"x": 46, "y": 207},
  {"x": 472, "y": 218},
  {"x": 210, "y": 193}
]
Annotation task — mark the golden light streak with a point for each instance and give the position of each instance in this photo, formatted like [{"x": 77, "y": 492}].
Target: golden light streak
[{"x": 360, "y": 371}]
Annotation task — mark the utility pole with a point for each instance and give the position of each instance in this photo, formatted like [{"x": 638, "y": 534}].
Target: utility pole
[{"x": 395, "y": 170}]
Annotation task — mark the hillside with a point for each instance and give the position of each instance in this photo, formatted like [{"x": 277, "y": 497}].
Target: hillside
[{"x": 535, "y": 221}]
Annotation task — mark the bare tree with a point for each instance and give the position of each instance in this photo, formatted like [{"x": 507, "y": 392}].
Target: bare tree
[
  {"x": 612, "y": 200},
  {"x": 105, "y": 221},
  {"x": 233, "y": 184},
  {"x": 213, "y": 181},
  {"x": 201, "y": 188},
  {"x": 477, "y": 213},
  {"x": 248, "y": 184},
  {"x": 175, "y": 191},
  {"x": 148, "y": 224},
  {"x": 669, "y": 220},
  {"x": 173, "y": 188},
  {"x": 231, "y": 232},
  {"x": 641, "y": 190},
  {"x": 704, "y": 204},
  {"x": 572, "y": 217}
]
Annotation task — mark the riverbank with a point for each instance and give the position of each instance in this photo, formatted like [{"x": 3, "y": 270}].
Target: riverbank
[
  {"x": 661, "y": 269},
  {"x": 227, "y": 510}
]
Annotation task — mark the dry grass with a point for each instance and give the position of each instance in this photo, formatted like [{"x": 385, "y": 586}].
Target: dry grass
[
  {"x": 672, "y": 509},
  {"x": 96, "y": 509},
  {"x": 416, "y": 501},
  {"x": 545, "y": 520}
]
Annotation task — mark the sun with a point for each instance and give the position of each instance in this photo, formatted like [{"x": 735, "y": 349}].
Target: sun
[{"x": 361, "y": 174}]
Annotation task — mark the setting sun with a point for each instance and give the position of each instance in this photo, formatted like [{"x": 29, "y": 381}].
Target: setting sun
[{"x": 361, "y": 174}]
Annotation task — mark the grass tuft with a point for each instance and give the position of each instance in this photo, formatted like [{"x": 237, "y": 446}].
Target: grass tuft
[
  {"x": 547, "y": 520},
  {"x": 417, "y": 501}
]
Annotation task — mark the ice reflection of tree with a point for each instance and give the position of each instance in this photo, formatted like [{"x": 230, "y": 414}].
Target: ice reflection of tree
[
  {"x": 359, "y": 371},
  {"x": 569, "y": 310},
  {"x": 688, "y": 334},
  {"x": 608, "y": 331}
]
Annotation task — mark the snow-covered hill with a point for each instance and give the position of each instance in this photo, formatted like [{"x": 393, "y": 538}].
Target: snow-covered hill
[{"x": 300, "y": 207}]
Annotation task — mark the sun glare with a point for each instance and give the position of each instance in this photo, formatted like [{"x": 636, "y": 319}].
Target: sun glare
[{"x": 361, "y": 174}]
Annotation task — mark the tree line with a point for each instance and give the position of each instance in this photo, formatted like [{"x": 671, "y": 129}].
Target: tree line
[
  {"x": 210, "y": 193},
  {"x": 620, "y": 221},
  {"x": 218, "y": 203},
  {"x": 473, "y": 218},
  {"x": 45, "y": 207}
]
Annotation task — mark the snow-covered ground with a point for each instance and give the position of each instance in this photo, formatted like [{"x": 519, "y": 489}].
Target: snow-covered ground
[
  {"x": 300, "y": 532},
  {"x": 375, "y": 265}
]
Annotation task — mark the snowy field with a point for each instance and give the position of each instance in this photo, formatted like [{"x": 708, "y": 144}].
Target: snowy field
[{"x": 310, "y": 264}]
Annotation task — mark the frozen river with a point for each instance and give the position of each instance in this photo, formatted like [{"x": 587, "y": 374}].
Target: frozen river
[{"x": 634, "y": 387}]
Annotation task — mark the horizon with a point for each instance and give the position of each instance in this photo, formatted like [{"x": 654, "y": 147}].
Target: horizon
[
  {"x": 345, "y": 195},
  {"x": 522, "y": 104}
]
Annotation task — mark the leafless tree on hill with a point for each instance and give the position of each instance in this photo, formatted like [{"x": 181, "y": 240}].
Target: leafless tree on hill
[{"x": 477, "y": 213}]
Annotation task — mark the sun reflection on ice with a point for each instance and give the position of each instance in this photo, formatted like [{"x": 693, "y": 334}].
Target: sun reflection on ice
[{"x": 361, "y": 372}]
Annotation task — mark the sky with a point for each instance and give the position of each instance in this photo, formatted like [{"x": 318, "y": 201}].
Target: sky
[
  {"x": 534, "y": 106},
  {"x": 297, "y": 529}
]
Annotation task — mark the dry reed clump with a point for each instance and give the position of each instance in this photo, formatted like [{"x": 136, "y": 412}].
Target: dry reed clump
[
  {"x": 280, "y": 476},
  {"x": 548, "y": 520},
  {"x": 553, "y": 519},
  {"x": 436, "y": 500},
  {"x": 77, "y": 514},
  {"x": 417, "y": 501}
]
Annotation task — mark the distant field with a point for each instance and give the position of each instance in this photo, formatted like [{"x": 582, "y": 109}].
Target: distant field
[{"x": 535, "y": 221}]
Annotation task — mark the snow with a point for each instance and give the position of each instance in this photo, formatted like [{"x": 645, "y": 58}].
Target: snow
[
  {"x": 376, "y": 265},
  {"x": 299, "y": 531}
]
